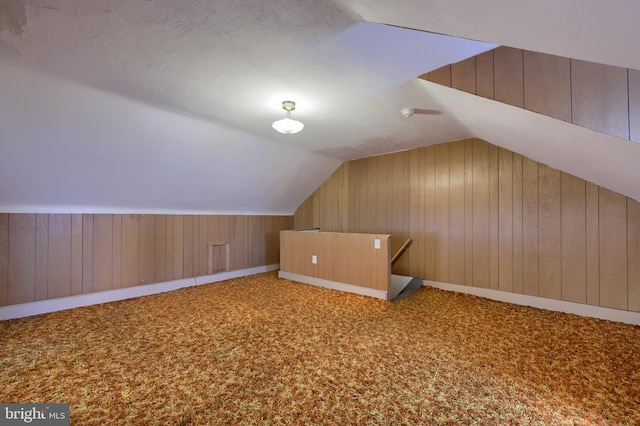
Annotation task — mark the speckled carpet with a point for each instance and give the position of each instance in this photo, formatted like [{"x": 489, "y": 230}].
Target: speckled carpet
[{"x": 266, "y": 351}]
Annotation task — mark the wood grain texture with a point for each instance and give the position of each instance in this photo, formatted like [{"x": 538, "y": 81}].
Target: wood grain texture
[
  {"x": 574, "y": 267},
  {"x": 76, "y": 254},
  {"x": 146, "y": 248},
  {"x": 634, "y": 105},
  {"x": 415, "y": 191},
  {"x": 484, "y": 75},
  {"x": 430, "y": 230},
  {"x": 550, "y": 233},
  {"x": 530, "y": 221},
  {"x": 87, "y": 254},
  {"x": 592, "y": 247},
  {"x": 505, "y": 220},
  {"x": 130, "y": 247},
  {"x": 468, "y": 212},
  {"x": 481, "y": 219},
  {"x": 4, "y": 257},
  {"x": 613, "y": 249},
  {"x": 21, "y": 286},
  {"x": 441, "y": 209},
  {"x": 633, "y": 254},
  {"x": 457, "y": 213},
  {"x": 517, "y": 232},
  {"x": 178, "y": 244},
  {"x": 160, "y": 251},
  {"x": 547, "y": 85},
  {"x": 117, "y": 251},
  {"x": 463, "y": 75},
  {"x": 508, "y": 76},
  {"x": 102, "y": 252},
  {"x": 187, "y": 246},
  {"x": 494, "y": 256},
  {"x": 42, "y": 256},
  {"x": 441, "y": 76},
  {"x": 599, "y": 96}
]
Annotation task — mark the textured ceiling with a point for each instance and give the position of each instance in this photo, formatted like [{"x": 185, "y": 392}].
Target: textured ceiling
[{"x": 166, "y": 105}]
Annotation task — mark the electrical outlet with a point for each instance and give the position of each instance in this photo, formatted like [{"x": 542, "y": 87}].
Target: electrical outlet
[
  {"x": 314, "y": 259},
  {"x": 376, "y": 243}
]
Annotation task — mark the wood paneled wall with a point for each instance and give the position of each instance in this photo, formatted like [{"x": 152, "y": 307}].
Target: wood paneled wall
[
  {"x": 600, "y": 97},
  {"x": 484, "y": 216},
  {"x": 45, "y": 256},
  {"x": 342, "y": 257}
]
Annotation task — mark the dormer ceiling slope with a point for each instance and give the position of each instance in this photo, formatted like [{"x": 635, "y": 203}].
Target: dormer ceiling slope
[{"x": 166, "y": 106}]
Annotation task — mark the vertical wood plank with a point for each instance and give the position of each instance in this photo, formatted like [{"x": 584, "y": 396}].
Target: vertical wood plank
[
  {"x": 599, "y": 98},
  {"x": 4, "y": 257},
  {"x": 202, "y": 244},
  {"x": 633, "y": 254},
  {"x": 530, "y": 222},
  {"x": 169, "y": 249},
  {"x": 441, "y": 76},
  {"x": 196, "y": 245},
  {"x": 430, "y": 230},
  {"x": 130, "y": 251},
  {"x": 484, "y": 75},
  {"x": 415, "y": 190},
  {"x": 117, "y": 251},
  {"x": 574, "y": 267},
  {"x": 366, "y": 265},
  {"x": 508, "y": 76},
  {"x": 468, "y": 211},
  {"x": 457, "y": 213},
  {"x": 592, "y": 206},
  {"x": 187, "y": 246},
  {"x": 505, "y": 220},
  {"x": 441, "y": 229},
  {"x": 480, "y": 214},
  {"x": 59, "y": 255},
  {"x": 102, "y": 252},
  {"x": 382, "y": 263},
  {"x": 87, "y": 254},
  {"x": 146, "y": 249},
  {"x": 178, "y": 244},
  {"x": 327, "y": 262},
  {"x": 355, "y": 268},
  {"x": 463, "y": 75},
  {"x": 160, "y": 272},
  {"x": 550, "y": 240},
  {"x": 42, "y": 255},
  {"x": 613, "y": 249},
  {"x": 238, "y": 244},
  {"x": 547, "y": 85},
  {"x": 493, "y": 218},
  {"x": 517, "y": 224},
  {"x": 76, "y": 254},
  {"x": 634, "y": 105},
  {"x": 344, "y": 266},
  {"x": 21, "y": 286}
]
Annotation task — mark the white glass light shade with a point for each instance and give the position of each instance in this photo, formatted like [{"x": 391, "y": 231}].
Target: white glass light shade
[{"x": 287, "y": 126}]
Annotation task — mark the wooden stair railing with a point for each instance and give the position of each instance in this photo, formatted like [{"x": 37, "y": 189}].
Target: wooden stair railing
[{"x": 400, "y": 252}]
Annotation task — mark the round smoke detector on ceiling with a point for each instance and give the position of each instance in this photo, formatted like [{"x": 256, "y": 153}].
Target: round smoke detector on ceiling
[{"x": 408, "y": 112}]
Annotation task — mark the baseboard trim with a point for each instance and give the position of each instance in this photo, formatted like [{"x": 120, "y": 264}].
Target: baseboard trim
[
  {"x": 62, "y": 303},
  {"x": 610, "y": 314},
  {"x": 334, "y": 285}
]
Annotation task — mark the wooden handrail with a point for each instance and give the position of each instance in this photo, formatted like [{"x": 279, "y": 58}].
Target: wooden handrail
[{"x": 400, "y": 252}]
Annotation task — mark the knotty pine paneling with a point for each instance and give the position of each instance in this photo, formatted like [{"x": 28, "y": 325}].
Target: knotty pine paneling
[
  {"x": 507, "y": 221},
  {"x": 46, "y": 256}
]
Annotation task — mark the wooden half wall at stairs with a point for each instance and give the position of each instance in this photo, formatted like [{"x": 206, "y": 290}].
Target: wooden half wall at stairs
[
  {"x": 46, "y": 256},
  {"x": 484, "y": 216}
]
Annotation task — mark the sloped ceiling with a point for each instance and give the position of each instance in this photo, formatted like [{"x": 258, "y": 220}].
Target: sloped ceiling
[{"x": 166, "y": 105}]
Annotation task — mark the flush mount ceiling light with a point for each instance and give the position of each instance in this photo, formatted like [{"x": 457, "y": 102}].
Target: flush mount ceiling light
[{"x": 287, "y": 125}]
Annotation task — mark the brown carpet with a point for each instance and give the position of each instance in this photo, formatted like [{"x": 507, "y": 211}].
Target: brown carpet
[{"x": 265, "y": 351}]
